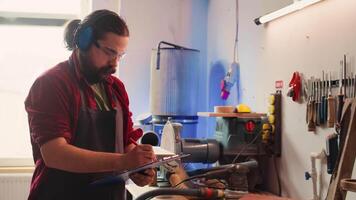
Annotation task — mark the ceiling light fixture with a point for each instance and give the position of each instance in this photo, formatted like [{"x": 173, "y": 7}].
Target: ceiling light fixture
[{"x": 295, "y": 6}]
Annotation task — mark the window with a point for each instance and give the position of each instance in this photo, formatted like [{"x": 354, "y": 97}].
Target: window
[{"x": 27, "y": 49}]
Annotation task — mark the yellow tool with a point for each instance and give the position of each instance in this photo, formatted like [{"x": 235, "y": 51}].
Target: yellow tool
[
  {"x": 266, "y": 128},
  {"x": 271, "y": 109},
  {"x": 271, "y": 100},
  {"x": 243, "y": 108},
  {"x": 271, "y": 119}
]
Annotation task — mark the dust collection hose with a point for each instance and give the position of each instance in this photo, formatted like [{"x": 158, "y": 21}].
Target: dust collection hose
[{"x": 205, "y": 193}]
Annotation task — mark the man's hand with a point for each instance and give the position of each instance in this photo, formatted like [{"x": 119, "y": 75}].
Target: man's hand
[
  {"x": 139, "y": 155},
  {"x": 143, "y": 178}
]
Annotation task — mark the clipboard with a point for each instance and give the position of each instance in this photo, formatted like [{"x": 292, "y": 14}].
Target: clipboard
[{"x": 123, "y": 176}]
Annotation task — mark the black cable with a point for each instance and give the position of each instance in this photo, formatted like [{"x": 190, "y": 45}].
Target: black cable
[
  {"x": 212, "y": 174},
  {"x": 203, "y": 193},
  {"x": 212, "y": 187},
  {"x": 169, "y": 191},
  {"x": 189, "y": 179},
  {"x": 209, "y": 174},
  {"x": 237, "y": 31},
  {"x": 244, "y": 148}
]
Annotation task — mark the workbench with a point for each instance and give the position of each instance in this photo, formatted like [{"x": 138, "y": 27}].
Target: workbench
[{"x": 136, "y": 191}]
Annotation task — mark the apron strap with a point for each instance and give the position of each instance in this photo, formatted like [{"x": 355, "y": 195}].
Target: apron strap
[
  {"x": 83, "y": 106},
  {"x": 119, "y": 129}
]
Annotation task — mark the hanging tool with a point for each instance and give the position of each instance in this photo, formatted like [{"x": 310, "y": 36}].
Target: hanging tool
[
  {"x": 323, "y": 101},
  {"x": 314, "y": 103},
  {"x": 311, "y": 107},
  {"x": 331, "y": 106},
  {"x": 308, "y": 91},
  {"x": 355, "y": 86},
  {"x": 325, "y": 98},
  {"x": 332, "y": 151},
  {"x": 350, "y": 85},
  {"x": 341, "y": 95},
  {"x": 317, "y": 103},
  {"x": 233, "y": 74},
  {"x": 344, "y": 75},
  {"x": 295, "y": 86}
]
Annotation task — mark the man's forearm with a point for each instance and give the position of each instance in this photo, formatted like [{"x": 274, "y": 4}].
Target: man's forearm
[{"x": 57, "y": 153}]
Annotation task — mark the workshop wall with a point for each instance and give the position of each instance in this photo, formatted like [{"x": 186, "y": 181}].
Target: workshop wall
[
  {"x": 180, "y": 22},
  {"x": 221, "y": 37},
  {"x": 308, "y": 41}
]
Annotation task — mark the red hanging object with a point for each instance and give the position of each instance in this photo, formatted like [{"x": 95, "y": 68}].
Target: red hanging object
[{"x": 295, "y": 86}]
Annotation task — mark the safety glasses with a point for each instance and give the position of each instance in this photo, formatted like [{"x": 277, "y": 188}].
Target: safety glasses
[{"x": 110, "y": 52}]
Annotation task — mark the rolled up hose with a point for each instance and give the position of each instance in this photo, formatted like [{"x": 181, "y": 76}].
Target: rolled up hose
[{"x": 204, "y": 193}]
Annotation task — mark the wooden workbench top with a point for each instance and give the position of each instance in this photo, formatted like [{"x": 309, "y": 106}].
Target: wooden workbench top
[{"x": 239, "y": 115}]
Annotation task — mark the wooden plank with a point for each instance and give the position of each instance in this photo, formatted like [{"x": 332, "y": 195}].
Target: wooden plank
[
  {"x": 7, "y": 170},
  {"x": 239, "y": 115},
  {"x": 346, "y": 160},
  {"x": 348, "y": 184}
]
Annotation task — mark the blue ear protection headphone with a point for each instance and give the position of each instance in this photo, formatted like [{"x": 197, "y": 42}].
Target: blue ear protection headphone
[{"x": 84, "y": 36}]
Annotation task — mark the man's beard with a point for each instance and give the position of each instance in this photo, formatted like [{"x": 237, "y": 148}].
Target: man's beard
[{"x": 95, "y": 74}]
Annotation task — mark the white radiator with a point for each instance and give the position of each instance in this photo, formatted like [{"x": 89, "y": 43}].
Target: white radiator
[{"x": 15, "y": 186}]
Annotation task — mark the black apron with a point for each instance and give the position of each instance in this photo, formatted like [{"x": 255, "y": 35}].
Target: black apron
[{"x": 96, "y": 132}]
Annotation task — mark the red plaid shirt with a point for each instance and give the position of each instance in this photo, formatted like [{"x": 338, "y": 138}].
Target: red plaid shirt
[{"x": 53, "y": 106}]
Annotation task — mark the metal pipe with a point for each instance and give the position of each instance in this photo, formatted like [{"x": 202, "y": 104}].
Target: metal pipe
[{"x": 314, "y": 174}]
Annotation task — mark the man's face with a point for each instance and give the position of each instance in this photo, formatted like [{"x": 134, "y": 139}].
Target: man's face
[{"x": 103, "y": 57}]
